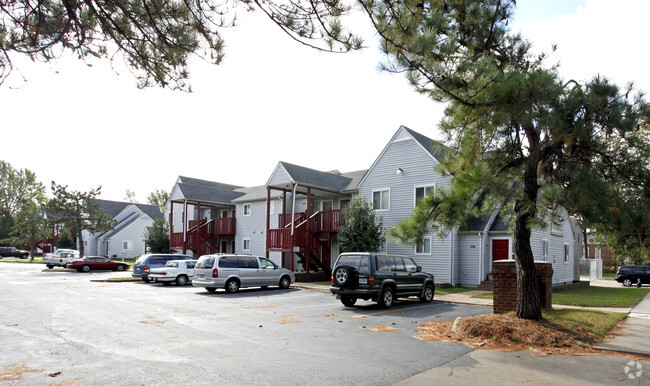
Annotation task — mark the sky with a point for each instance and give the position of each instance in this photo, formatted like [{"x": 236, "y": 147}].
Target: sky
[{"x": 271, "y": 100}]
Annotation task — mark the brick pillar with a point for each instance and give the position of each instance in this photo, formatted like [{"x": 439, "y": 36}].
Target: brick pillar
[{"x": 505, "y": 285}]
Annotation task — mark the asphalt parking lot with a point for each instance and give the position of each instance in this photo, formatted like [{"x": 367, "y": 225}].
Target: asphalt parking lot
[{"x": 60, "y": 326}]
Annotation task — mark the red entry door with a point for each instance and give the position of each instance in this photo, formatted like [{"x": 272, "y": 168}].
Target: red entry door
[{"x": 500, "y": 250}]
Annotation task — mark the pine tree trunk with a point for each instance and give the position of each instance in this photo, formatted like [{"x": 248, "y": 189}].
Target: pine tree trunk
[{"x": 528, "y": 306}]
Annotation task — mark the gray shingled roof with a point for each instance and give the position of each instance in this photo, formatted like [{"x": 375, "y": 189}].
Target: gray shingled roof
[
  {"x": 207, "y": 184},
  {"x": 437, "y": 149},
  {"x": 355, "y": 177},
  {"x": 254, "y": 193},
  {"x": 316, "y": 179},
  {"x": 208, "y": 194},
  {"x": 152, "y": 211}
]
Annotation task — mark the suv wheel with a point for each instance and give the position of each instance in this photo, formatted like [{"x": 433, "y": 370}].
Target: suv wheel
[
  {"x": 627, "y": 282},
  {"x": 232, "y": 286},
  {"x": 342, "y": 275},
  {"x": 427, "y": 295},
  {"x": 387, "y": 297},
  {"x": 348, "y": 300}
]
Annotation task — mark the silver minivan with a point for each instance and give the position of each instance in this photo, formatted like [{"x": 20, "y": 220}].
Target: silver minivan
[{"x": 233, "y": 272}]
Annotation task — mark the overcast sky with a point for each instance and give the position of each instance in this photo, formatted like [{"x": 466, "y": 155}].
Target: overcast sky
[{"x": 271, "y": 100}]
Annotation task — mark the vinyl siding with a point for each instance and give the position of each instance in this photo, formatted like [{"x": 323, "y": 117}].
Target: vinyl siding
[
  {"x": 562, "y": 272},
  {"x": 417, "y": 170},
  {"x": 469, "y": 249}
]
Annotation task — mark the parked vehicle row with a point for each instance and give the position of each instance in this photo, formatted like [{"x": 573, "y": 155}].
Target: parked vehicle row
[
  {"x": 217, "y": 271},
  {"x": 356, "y": 275}
]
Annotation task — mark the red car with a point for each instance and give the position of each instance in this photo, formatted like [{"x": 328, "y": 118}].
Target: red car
[{"x": 85, "y": 264}]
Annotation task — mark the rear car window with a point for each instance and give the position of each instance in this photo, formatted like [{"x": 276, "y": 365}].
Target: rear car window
[
  {"x": 359, "y": 262},
  {"x": 205, "y": 262},
  {"x": 140, "y": 260}
]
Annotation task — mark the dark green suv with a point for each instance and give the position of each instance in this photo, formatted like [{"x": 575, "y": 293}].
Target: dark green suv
[{"x": 382, "y": 278}]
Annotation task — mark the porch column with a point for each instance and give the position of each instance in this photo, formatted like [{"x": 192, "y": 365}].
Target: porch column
[
  {"x": 171, "y": 224},
  {"x": 268, "y": 219},
  {"x": 293, "y": 216},
  {"x": 198, "y": 248},
  {"x": 185, "y": 227},
  {"x": 309, "y": 236}
]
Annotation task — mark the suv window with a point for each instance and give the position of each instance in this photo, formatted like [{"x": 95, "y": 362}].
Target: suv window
[
  {"x": 248, "y": 262},
  {"x": 410, "y": 265},
  {"x": 399, "y": 264},
  {"x": 351, "y": 260},
  {"x": 382, "y": 263}
]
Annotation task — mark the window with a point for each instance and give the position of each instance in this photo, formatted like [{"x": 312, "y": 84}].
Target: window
[
  {"x": 382, "y": 263},
  {"x": 399, "y": 264},
  {"x": 127, "y": 245},
  {"x": 566, "y": 253},
  {"x": 422, "y": 191},
  {"x": 545, "y": 250},
  {"x": 246, "y": 244},
  {"x": 424, "y": 247},
  {"x": 381, "y": 199},
  {"x": 267, "y": 264},
  {"x": 248, "y": 262},
  {"x": 247, "y": 209},
  {"x": 410, "y": 265}
]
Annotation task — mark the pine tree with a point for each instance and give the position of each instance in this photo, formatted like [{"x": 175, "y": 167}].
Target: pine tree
[
  {"x": 361, "y": 232},
  {"x": 523, "y": 138}
]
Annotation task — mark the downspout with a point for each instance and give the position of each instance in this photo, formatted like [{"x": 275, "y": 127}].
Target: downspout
[
  {"x": 451, "y": 250},
  {"x": 185, "y": 226},
  {"x": 293, "y": 224},
  {"x": 480, "y": 257}
]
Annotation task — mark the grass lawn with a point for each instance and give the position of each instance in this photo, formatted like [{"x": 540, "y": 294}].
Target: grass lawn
[
  {"x": 594, "y": 296},
  {"x": 609, "y": 276},
  {"x": 453, "y": 290},
  {"x": 598, "y": 323}
]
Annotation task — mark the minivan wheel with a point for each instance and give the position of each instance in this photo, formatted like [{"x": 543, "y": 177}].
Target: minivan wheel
[
  {"x": 232, "y": 286},
  {"x": 627, "y": 282},
  {"x": 285, "y": 282},
  {"x": 387, "y": 297},
  {"x": 348, "y": 300},
  {"x": 181, "y": 280},
  {"x": 427, "y": 296}
]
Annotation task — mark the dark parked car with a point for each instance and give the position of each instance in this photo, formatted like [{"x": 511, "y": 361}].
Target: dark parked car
[
  {"x": 146, "y": 263},
  {"x": 382, "y": 278},
  {"x": 13, "y": 252},
  {"x": 88, "y": 263},
  {"x": 633, "y": 274}
]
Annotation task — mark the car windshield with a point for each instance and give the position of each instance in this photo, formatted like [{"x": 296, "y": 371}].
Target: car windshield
[{"x": 205, "y": 262}]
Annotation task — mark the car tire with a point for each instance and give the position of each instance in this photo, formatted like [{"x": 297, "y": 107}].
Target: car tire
[
  {"x": 145, "y": 279},
  {"x": 232, "y": 286},
  {"x": 427, "y": 294},
  {"x": 24, "y": 256},
  {"x": 166, "y": 282},
  {"x": 85, "y": 268},
  {"x": 181, "y": 280},
  {"x": 211, "y": 289},
  {"x": 119, "y": 268},
  {"x": 348, "y": 300},
  {"x": 49, "y": 266},
  {"x": 342, "y": 275},
  {"x": 387, "y": 297},
  {"x": 285, "y": 282},
  {"x": 627, "y": 282}
]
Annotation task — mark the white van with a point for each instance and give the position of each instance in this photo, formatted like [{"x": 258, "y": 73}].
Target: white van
[{"x": 233, "y": 272}]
